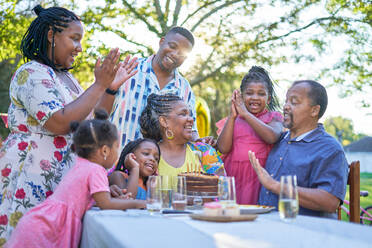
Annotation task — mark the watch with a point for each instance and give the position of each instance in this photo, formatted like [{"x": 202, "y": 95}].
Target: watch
[{"x": 111, "y": 92}]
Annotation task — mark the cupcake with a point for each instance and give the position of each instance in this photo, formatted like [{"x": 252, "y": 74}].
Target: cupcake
[
  {"x": 231, "y": 210},
  {"x": 212, "y": 209}
]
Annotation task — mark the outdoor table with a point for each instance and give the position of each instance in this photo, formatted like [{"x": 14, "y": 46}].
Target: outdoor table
[{"x": 137, "y": 228}]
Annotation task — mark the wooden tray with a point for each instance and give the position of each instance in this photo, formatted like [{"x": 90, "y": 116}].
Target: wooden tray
[{"x": 223, "y": 218}]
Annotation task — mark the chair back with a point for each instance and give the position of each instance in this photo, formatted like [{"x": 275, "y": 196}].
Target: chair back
[{"x": 353, "y": 181}]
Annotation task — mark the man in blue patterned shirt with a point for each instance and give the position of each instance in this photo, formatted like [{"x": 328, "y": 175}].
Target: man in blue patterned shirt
[
  {"x": 156, "y": 74},
  {"x": 308, "y": 152}
]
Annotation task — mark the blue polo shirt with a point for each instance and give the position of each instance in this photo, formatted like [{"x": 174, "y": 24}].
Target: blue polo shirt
[{"x": 317, "y": 160}]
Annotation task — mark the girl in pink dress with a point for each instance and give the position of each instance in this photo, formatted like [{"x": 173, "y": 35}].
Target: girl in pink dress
[
  {"x": 252, "y": 125},
  {"x": 57, "y": 221}
]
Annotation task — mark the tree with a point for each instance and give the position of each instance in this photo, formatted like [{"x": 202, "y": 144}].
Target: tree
[
  {"x": 342, "y": 129},
  {"x": 233, "y": 43},
  {"x": 14, "y": 24},
  {"x": 235, "y": 34}
]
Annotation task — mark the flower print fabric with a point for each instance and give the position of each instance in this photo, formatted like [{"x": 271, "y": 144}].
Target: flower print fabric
[
  {"x": 59, "y": 218},
  {"x": 209, "y": 159},
  {"x": 32, "y": 159}
]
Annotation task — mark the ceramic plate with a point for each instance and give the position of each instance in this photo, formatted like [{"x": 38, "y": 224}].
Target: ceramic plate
[{"x": 255, "y": 209}]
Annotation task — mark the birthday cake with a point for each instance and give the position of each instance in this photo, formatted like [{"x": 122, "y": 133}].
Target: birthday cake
[{"x": 200, "y": 182}]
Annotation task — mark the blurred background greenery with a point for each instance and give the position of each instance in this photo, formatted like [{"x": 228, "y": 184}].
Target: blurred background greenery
[
  {"x": 365, "y": 185},
  {"x": 232, "y": 35}
]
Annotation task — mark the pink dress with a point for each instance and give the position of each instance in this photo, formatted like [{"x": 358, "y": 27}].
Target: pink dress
[
  {"x": 57, "y": 222},
  {"x": 237, "y": 162}
]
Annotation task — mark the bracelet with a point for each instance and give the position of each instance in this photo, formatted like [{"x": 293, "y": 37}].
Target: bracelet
[{"x": 111, "y": 92}]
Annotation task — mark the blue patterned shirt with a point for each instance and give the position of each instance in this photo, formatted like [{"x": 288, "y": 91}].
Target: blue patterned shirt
[
  {"x": 317, "y": 160},
  {"x": 131, "y": 99}
]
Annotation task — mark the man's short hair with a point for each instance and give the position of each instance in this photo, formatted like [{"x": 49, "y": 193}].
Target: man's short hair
[
  {"x": 184, "y": 32},
  {"x": 317, "y": 94}
]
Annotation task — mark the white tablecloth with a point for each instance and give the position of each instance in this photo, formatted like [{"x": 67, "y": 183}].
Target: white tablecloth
[{"x": 137, "y": 228}]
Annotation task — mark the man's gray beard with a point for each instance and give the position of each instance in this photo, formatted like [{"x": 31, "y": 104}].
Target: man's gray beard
[{"x": 290, "y": 124}]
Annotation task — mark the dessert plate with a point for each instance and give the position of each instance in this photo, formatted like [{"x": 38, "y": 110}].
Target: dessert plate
[
  {"x": 223, "y": 218},
  {"x": 255, "y": 209}
]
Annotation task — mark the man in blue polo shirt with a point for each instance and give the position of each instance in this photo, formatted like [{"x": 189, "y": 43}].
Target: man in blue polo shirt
[{"x": 308, "y": 152}]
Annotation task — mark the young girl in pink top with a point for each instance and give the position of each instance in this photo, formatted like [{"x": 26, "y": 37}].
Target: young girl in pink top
[
  {"x": 57, "y": 221},
  {"x": 251, "y": 125}
]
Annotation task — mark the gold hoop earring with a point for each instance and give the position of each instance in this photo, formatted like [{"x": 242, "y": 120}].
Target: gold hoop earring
[{"x": 169, "y": 134}]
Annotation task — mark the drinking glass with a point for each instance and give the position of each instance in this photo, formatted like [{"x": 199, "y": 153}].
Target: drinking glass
[
  {"x": 288, "y": 198},
  {"x": 197, "y": 200},
  {"x": 226, "y": 191},
  {"x": 179, "y": 197},
  {"x": 154, "y": 200},
  {"x": 166, "y": 189}
]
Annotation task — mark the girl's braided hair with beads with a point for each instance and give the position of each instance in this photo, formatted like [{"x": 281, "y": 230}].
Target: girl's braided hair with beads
[
  {"x": 157, "y": 105},
  {"x": 34, "y": 45}
]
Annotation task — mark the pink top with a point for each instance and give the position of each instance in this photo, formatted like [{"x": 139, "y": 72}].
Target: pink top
[
  {"x": 58, "y": 219},
  {"x": 237, "y": 162}
]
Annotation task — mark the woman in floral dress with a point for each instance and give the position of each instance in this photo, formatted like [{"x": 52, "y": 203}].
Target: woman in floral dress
[{"x": 45, "y": 98}]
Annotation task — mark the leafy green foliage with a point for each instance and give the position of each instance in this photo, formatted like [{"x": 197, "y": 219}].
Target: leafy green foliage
[
  {"x": 342, "y": 129},
  {"x": 232, "y": 35},
  {"x": 365, "y": 185},
  {"x": 13, "y": 26}
]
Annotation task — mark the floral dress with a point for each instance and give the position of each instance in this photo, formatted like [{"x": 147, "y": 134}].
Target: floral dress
[{"x": 32, "y": 159}]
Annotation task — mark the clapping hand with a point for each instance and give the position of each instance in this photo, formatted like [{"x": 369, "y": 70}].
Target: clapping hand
[
  {"x": 263, "y": 176},
  {"x": 125, "y": 71},
  {"x": 233, "y": 111},
  {"x": 105, "y": 71},
  {"x": 239, "y": 103}
]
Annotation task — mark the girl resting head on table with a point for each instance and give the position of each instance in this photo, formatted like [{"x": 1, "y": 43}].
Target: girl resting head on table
[
  {"x": 138, "y": 160},
  {"x": 58, "y": 218}
]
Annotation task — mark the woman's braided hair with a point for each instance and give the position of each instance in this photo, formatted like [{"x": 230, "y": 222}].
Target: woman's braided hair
[
  {"x": 90, "y": 135},
  {"x": 157, "y": 105},
  {"x": 34, "y": 45}
]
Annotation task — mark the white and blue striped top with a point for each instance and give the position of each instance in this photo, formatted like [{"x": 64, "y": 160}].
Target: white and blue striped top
[{"x": 131, "y": 99}]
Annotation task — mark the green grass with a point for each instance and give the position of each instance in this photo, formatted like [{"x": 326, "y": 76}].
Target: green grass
[{"x": 365, "y": 184}]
